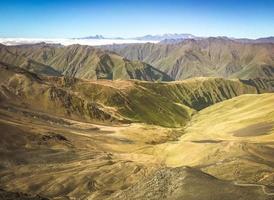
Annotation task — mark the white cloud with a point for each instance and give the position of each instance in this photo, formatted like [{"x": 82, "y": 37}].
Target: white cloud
[{"x": 90, "y": 42}]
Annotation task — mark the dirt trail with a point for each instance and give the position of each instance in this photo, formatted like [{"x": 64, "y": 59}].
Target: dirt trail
[{"x": 255, "y": 185}]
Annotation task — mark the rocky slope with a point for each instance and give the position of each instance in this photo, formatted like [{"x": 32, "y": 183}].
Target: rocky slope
[
  {"x": 187, "y": 183},
  {"x": 219, "y": 57}
]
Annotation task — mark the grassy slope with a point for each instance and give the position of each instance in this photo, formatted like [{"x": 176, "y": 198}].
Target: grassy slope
[
  {"x": 166, "y": 104},
  {"x": 81, "y": 160},
  {"x": 232, "y": 140},
  {"x": 234, "y": 114},
  {"x": 199, "y": 93},
  {"x": 90, "y": 101},
  {"x": 59, "y": 157}
]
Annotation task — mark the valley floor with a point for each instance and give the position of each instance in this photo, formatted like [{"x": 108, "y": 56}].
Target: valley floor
[{"x": 224, "y": 152}]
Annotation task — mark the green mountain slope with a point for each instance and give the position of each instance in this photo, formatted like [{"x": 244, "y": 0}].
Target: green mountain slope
[
  {"x": 166, "y": 104},
  {"x": 199, "y": 93},
  {"x": 12, "y": 58},
  {"x": 218, "y": 57},
  {"x": 102, "y": 101},
  {"x": 79, "y": 61}
]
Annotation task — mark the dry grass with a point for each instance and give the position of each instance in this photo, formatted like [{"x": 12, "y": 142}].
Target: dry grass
[
  {"x": 211, "y": 141},
  {"x": 65, "y": 158}
]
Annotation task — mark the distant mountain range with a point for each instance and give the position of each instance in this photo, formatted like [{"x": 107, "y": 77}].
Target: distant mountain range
[
  {"x": 167, "y": 36},
  {"x": 158, "y": 37},
  {"x": 218, "y": 57},
  {"x": 259, "y": 40},
  {"x": 170, "y": 38},
  {"x": 170, "y": 59},
  {"x": 98, "y": 40},
  {"x": 77, "y": 61},
  {"x": 243, "y": 40},
  {"x": 92, "y": 37}
]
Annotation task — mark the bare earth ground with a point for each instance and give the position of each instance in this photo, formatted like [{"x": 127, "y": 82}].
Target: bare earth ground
[
  {"x": 228, "y": 147},
  {"x": 76, "y": 160}
]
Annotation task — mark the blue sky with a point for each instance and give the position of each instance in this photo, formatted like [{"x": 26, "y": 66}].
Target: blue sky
[{"x": 128, "y": 18}]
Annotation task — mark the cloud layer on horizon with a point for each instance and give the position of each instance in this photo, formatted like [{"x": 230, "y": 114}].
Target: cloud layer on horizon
[{"x": 63, "y": 41}]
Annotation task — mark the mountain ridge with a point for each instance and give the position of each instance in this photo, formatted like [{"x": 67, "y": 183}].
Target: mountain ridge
[
  {"x": 166, "y": 104},
  {"x": 219, "y": 57},
  {"x": 79, "y": 61}
]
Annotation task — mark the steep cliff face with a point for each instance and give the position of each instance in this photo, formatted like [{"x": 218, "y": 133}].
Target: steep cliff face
[
  {"x": 78, "y": 61},
  {"x": 219, "y": 57}
]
